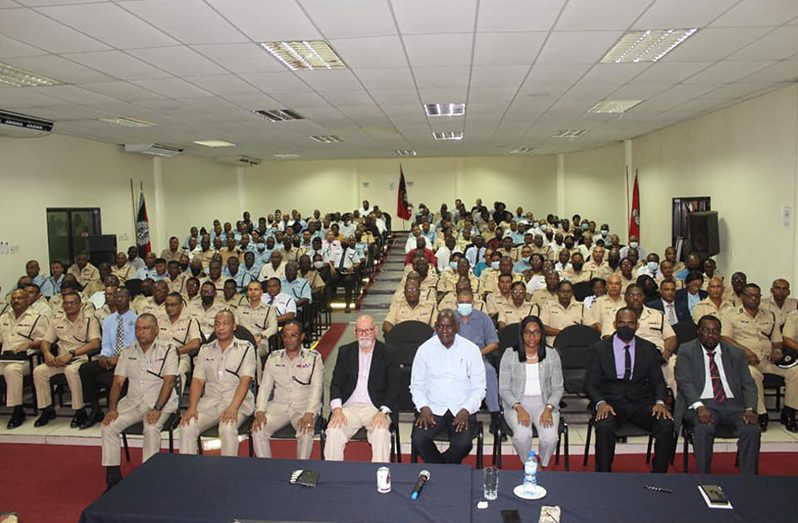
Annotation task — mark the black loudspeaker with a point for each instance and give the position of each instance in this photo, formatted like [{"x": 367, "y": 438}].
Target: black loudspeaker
[
  {"x": 703, "y": 233},
  {"x": 101, "y": 248}
]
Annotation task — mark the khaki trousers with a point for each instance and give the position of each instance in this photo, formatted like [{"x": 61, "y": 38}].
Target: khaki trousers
[
  {"x": 358, "y": 416},
  {"x": 41, "y": 380},
  {"x": 152, "y": 435},
  {"x": 277, "y": 418},
  {"x": 790, "y": 383},
  {"x": 207, "y": 418},
  {"x": 14, "y": 372}
]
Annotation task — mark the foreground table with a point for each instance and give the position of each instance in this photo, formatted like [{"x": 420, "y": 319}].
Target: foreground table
[
  {"x": 621, "y": 498},
  {"x": 175, "y": 488}
]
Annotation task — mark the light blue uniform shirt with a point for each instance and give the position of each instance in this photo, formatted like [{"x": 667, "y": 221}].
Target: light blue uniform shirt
[
  {"x": 242, "y": 277},
  {"x": 298, "y": 289},
  {"x": 128, "y": 320},
  {"x": 448, "y": 379}
]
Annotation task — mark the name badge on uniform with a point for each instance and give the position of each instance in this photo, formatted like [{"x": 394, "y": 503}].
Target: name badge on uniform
[{"x": 303, "y": 365}]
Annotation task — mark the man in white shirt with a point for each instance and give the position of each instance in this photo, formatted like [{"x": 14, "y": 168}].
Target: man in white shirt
[{"x": 448, "y": 386}]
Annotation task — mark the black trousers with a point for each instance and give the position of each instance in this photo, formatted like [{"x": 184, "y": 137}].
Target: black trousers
[
  {"x": 460, "y": 443},
  {"x": 348, "y": 281},
  {"x": 639, "y": 414},
  {"x": 92, "y": 376}
]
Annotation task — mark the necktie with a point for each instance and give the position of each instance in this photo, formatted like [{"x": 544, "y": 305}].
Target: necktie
[
  {"x": 714, "y": 375},
  {"x": 119, "y": 343},
  {"x": 343, "y": 259},
  {"x": 271, "y": 299},
  {"x": 627, "y": 363},
  {"x": 671, "y": 314}
]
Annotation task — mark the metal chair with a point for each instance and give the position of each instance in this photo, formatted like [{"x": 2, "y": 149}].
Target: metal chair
[
  {"x": 622, "y": 431},
  {"x": 573, "y": 345},
  {"x": 288, "y": 433},
  {"x": 721, "y": 431},
  {"x": 171, "y": 423}
]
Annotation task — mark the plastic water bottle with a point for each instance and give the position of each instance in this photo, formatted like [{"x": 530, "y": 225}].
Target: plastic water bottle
[{"x": 531, "y": 474}]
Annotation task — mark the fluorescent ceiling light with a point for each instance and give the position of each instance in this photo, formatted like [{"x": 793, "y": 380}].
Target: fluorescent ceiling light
[
  {"x": 613, "y": 106},
  {"x": 571, "y": 133},
  {"x": 404, "y": 152},
  {"x": 214, "y": 143},
  {"x": 279, "y": 115},
  {"x": 522, "y": 150},
  {"x": 328, "y": 138},
  {"x": 646, "y": 46},
  {"x": 305, "y": 54},
  {"x": 127, "y": 121},
  {"x": 449, "y": 109},
  {"x": 286, "y": 156},
  {"x": 448, "y": 135},
  {"x": 16, "y": 77}
]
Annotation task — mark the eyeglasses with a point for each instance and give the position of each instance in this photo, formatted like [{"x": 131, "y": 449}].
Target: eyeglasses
[{"x": 363, "y": 332}]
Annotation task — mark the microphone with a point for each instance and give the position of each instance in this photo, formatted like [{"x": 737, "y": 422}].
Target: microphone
[{"x": 423, "y": 477}]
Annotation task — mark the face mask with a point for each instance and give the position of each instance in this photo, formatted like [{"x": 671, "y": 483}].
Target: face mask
[
  {"x": 318, "y": 264},
  {"x": 604, "y": 233},
  {"x": 453, "y": 265},
  {"x": 652, "y": 266},
  {"x": 465, "y": 309},
  {"x": 183, "y": 266},
  {"x": 207, "y": 300},
  {"x": 614, "y": 263},
  {"x": 494, "y": 265},
  {"x": 625, "y": 333},
  {"x": 578, "y": 266},
  {"x": 633, "y": 245},
  {"x": 585, "y": 226},
  {"x": 543, "y": 227}
]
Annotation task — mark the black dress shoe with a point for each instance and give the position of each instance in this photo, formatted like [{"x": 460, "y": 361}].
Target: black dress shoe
[
  {"x": 763, "y": 422},
  {"x": 47, "y": 415},
  {"x": 17, "y": 418},
  {"x": 91, "y": 420},
  {"x": 79, "y": 417}
]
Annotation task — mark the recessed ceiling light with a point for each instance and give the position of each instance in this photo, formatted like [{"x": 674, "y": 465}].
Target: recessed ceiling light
[
  {"x": 279, "y": 115},
  {"x": 127, "y": 121},
  {"x": 646, "y": 46},
  {"x": 613, "y": 106},
  {"x": 327, "y": 138},
  {"x": 522, "y": 150},
  {"x": 448, "y": 135},
  {"x": 286, "y": 156},
  {"x": 404, "y": 152},
  {"x": 305, "y": 54},
  {"x": 571, "y": 133},
  {"x": 214, "y": 143},
  {"x": 16, "y": 77},
  {"x": 449, "y": 109}
]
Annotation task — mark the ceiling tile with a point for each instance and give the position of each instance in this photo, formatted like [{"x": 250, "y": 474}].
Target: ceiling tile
[
  {"x": 348, "y": 98},
  {"x": 223, "y": 85},
  {"x": 276, "y": 83},
  {"x": 367, "y": 53},
  {"x": 61, "y": 113},
  {"x": 577, "y": 47},
  {"x": 441, "y": 77},
  {"x": 10, "y": 48},
  {"x": 111, "y": 24},
  {"x": 13, "y": 97},
  {"x": 758, "y": 12},
  {"x": 399, "y": 78},
  {"x": 5, "y": 4},
  {"x": 172, "y": 88},
  {"x": 777, "y": 45},
  {"x": 507, "y": 48},
  {"x": 59, "y": 69},
  {"x": 327, "y": 17},
  {"x": 189, "y": 21},
  {"x": 40, "y": 3},
  {"x": 33, "y": 28},
  {"x": 725, "y": 72},
  {"x": 441, "y": 16},
  {"x": 526, "y": 16},
  {"x": 180, "y": 60},
  {"x": 270, "y": 20},
  {"x": 336, "y": 80},
  {"x": 498, "y": 75},
  {"x": 552, "y": 78},
  {"x": 591, "y": 15},
  {"x": 786, "y": 71},
  {"x": 714, "y": 44},
  {"x": 679, "y": 14},
  {"x": 241, "y": 58},
  {"x": 670, "y": 73},
  {"x": 439, "y": 49},
  {"x": 123, "y": 91},
  {"x": 389, "y": 97},
  {"x": 118, "y": 65},
  {"x": 253, "y": 102},
  {"x": 74, "y": 94}
]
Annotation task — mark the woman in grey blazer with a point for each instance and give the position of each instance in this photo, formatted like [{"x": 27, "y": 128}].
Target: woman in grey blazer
[{"x": 530, "y": 387}]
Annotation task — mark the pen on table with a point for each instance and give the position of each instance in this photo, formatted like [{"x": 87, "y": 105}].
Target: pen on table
[{"x": 658, "y": 489}]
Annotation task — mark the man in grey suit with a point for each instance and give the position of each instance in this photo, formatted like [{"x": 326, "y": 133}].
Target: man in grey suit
[{"x": 716, "y": 388}]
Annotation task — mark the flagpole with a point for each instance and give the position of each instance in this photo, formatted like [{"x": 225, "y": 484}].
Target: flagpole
[
  {"x": 628, "y": 210},
  {"x": 133, "y": 207}
]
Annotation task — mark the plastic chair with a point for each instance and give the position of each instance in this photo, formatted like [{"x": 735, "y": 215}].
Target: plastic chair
[{"x": 573, "y": 345}]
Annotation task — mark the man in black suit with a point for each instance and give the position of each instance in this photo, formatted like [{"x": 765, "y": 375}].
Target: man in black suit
[
  {"x": 364, "y": 393},
  {"x": 674, "y": 310},
  {"x": 716, "y": 388},
  {"x": 624, "y": 383}
]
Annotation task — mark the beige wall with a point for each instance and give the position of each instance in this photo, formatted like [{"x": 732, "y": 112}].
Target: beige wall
[
  {"x": 744, "y": 157},
  {"x": 60, "y": 171}
]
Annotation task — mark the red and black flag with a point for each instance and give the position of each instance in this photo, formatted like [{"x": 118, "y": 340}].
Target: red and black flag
[
  {"x": 402, "y": 204},
  {"x": 143, "y": 227}
]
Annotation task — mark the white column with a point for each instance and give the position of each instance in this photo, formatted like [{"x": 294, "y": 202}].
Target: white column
[
  {"x": 560, "y": 184},
  {"x": 159, "y": 238},
  {"x": 242, "y": 191}
]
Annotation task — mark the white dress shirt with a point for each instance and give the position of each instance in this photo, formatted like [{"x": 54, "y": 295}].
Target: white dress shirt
[{"x": 708, "y": 393}]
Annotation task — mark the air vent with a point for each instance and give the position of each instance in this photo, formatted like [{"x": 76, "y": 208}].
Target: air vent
[
  {"x": 153, "y": 149},
  {"x": 279, "y": 115},
  {"x": 448, "y": 135},
  {"x": 404, "y": 152},
  {"x": 327, "y": 138},
  {"x": 305, "y": 54},
  {"x": 571, "y": 133},
  {"x": 126, "y": 121},
  {"x": 522, "y": 150}
]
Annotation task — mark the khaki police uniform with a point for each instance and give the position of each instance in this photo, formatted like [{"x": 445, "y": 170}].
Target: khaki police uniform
[
  {"x": 42, "y": 307},
  {"x": 495, "y": 302},
  {"x": 168, "y": 255},
  {"x": 602, "y": 313},
  {"x": 660, "y": 278},
  {"x": 102, "y": 313},
  {"x": 542, "y": 296},
  {"x": 94, "y": 287},
  {"x": 572, "y": 276},
  {"x": 450, "y": 277},
  {"x": 512, "y": 252},
  {"x": 260, "y": 320},
  {"x": 430, "y": 282},
  {"x": 428, "y": 294},
  {"x": 140, "y": 302},
  {"x": 124, "y": 273},
  {"x": 426, "y": 311},
  {"x": 314, "y": 278},
  {"x": 14, "y": 332},
  {"x": 268, "y": 271},
  {"x": 791, "y": 326},
  {"x": 57, "y": 304},
  {"x": 758, "y": 334},
  {"x": 511, "y": 314},
  {"x": 145, "y": 373},
  {"x": 227, "y": 254},
  {"x": 790, "y": 305},
  {"x": 178, "y": 333},
  {"x": 489, "y": 280},
  {"x": 206, "y": 256},
  {"x": 708, "y": 307},
  {"x": 221, "y": 371},
  {"x": 219, "y": 284},
  {"x": 70, "y": 335},
  {"x": 544, "y": 250},
  {"x": 626, "y": 283},
  {"x": 87, "y": 274},
  {"x": 178, "y": 284},
  {"x": 159, "y": 311},
  {"x": 294, "y": 386},
  {"x": 602, "y": 270},
  {"x": 556, "y": 316},
  {"x": 207, "y": 317},
  {"x": 729, "y": 296}
]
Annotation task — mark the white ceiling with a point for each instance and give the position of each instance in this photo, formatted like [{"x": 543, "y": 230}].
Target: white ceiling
[{"x": 525, "y": 68}]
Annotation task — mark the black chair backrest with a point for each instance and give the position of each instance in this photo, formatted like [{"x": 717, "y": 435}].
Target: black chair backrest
[
  {"x": 133, "y": 287},
  {"x": 582, "y": 290},
  {"x": 685, "y": 331},
  {"x": 405, "y": 338},
  {"x": 242, "y": 333},
  {"x": 573, "y": 345},
  {"x": 508, "y": 337}
]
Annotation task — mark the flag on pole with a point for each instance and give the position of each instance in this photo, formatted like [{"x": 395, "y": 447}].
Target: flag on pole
[
  {"x": 634, "y": 219},
  {"x": 402, "y": 205},
  {"x": 143, "y": 228}
]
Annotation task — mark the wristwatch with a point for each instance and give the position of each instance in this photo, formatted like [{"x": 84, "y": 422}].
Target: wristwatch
[
  {"x": 72, "y": 352},
  {"x": 157, "y": 406}
]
